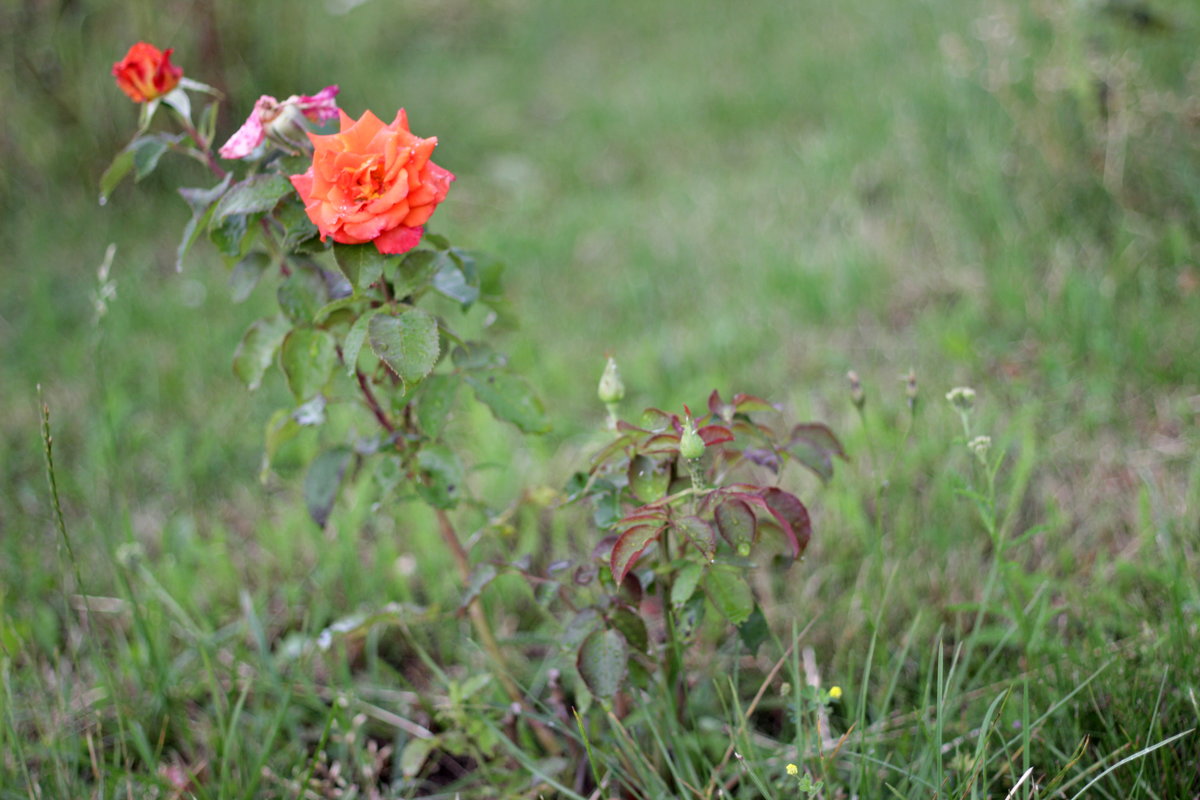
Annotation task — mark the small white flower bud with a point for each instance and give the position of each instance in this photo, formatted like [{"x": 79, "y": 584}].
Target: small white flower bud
[
  {"x": 962, "y": 398},
  {"x": 980, "y": 446}
]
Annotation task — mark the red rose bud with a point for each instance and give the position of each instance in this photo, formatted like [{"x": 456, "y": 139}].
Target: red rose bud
[{"x": 146, "y": 73}]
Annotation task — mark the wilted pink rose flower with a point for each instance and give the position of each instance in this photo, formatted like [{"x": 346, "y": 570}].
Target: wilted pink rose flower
[{"x": 281, "y": 120}]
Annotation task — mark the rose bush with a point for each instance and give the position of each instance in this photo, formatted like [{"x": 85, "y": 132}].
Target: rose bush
[
  {"x": 146, "y": 73},
  {"x": 372, "y": 182}
]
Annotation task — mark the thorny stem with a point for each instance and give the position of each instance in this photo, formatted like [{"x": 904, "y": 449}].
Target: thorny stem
[
  {"x": 673, "y": 666},
  {"x": 205, "y": 147},
  {"x": 484, "y": 629},
  {"x": 478, "y": 618},
  {"x": 373, "y": 403}
]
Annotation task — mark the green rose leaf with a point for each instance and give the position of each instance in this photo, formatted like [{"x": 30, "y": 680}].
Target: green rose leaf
[
  {"x": 442, "y": 475},
  {"x": 203, "y": 203},
  {"x": 322, "y": 482},
  {"x": 451, "y": 282},
  {"x": 730, "y": 594},
  {"x": 257, "y": 350},
  {"x": 116, "y": 172},
  {"x": 362, "y": 264},
  {"x": 686, "y": 580},
  {"x": 649, "y": 479},
  {"x": 699, "y": 533},
  {"x": 228, "y": 234},
  {"x": 406, "y": 342},
  {"x": 355, "y": 338},
  {"x": 246, "y": 275},
  {"x": 308, "y": 357},
  {"x": 632, "y": 627},
  {"x": 476, "y": 355},
  {"x": 754, "y": 631},
  {"x": 415, "y": 270},
  {"x": 140, "y": 157},
  {"x": 438, "y": 394},
  {"x": 579, "y": 628},
  {"x": 603, "y": 662},
  {"x": 301, "y": 294},
  {"x": 510, "y": 400},
  {"x": 254, "y": 195},
  {"x": 297, "y": 227}
]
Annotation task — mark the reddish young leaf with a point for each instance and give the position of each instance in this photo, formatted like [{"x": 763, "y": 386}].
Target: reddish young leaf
[
  {"x": 629, "y": 548},
  {"x": 745, "y": 403},
  {"x": 814, "y": 446},
  {"x": 715, "y": 434},
  {"x": 791, "y": 515},
  {"x": 719, "y": 408},
  {"x": 662, "y": 443},
  {"x": 642, "y": 515},
  {"x": 753, "y": 430},
  {"x": 819, "y": 435},
  {"x": 603, "y": 549},
  {"x": 764, "y": 457},
  {"x": 612, "y": 448},
  {"x": 736, "y": 522}
]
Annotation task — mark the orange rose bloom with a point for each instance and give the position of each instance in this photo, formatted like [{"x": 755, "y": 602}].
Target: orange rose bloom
[
  {"x": 146, "y": 73},
  {"x": 372, "y": 183}
]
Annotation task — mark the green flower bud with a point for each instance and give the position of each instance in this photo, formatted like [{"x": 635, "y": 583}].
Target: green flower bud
[
  {"x": 611, "y": 389},
  {"x": 691, "y": 446}
]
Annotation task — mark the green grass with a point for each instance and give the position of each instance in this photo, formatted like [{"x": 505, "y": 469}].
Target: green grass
[{"x": 753, "y": 199}]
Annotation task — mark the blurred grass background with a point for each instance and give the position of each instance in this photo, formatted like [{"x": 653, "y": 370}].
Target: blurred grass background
[{"x": 752, "y": 197}]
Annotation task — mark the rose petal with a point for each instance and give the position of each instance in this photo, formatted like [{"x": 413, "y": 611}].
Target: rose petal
[
  {"x": 320, "y": 106},
  {"x": 251, "y": 134},
  {"x": 399, "y": 240}
]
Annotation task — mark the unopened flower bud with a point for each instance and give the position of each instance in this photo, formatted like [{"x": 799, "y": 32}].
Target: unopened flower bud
[
  {"x": 980, "y": 446},
  {"x": 857, "y": 396},
  {"x": 962, "y": 398},
  {"x": 691, "y": 446},
  {"x": 611, "y": 389}
]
